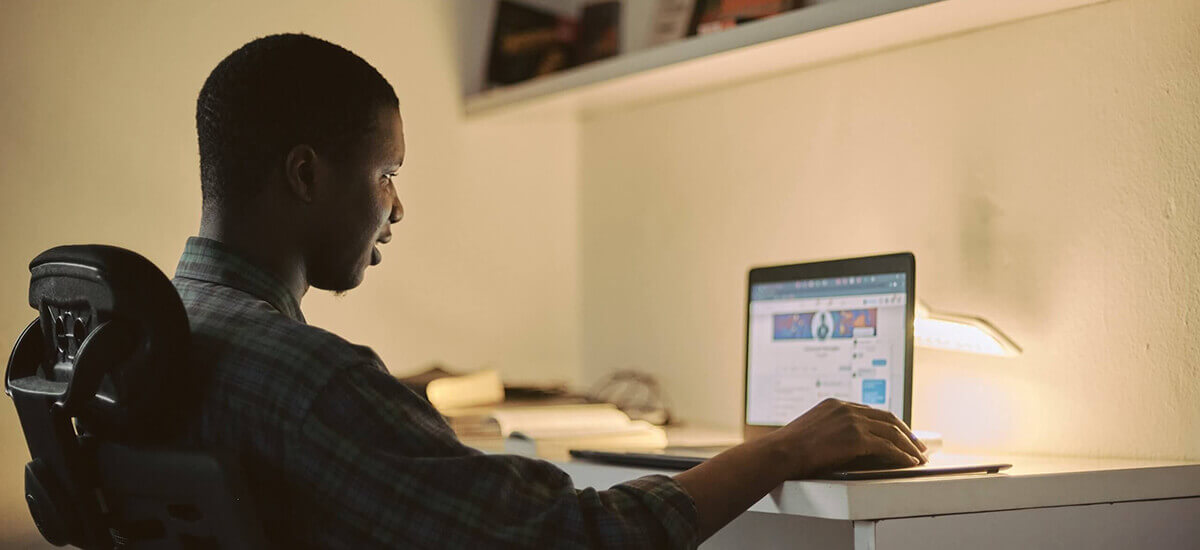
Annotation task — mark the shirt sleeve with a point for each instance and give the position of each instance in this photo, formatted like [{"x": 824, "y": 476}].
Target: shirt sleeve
[{"x": 385, "y": 470}]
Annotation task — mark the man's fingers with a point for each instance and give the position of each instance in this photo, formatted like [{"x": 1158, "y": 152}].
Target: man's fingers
[
  {"x": 898, "y": 438},
  {"x": 886, "y": 416},
  {"x": 884, "y": 449}
]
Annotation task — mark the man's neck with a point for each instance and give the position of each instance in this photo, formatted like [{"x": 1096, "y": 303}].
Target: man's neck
[{"x": 271, "y": 252}]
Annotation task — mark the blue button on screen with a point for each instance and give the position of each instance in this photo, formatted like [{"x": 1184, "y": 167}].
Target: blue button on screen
[{"x": 874, "y": 392}]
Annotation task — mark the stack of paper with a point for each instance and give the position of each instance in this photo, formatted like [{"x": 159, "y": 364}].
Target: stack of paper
[{"x": 550, "y": 432}]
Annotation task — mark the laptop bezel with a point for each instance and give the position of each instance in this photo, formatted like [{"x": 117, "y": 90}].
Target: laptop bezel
[{"x": 902, "y": 262}]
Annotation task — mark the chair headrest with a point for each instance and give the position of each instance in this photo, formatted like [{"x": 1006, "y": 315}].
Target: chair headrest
[{"x": 112, "y": 323}]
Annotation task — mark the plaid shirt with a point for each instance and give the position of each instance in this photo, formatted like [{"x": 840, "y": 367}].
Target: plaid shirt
[{"x": 338, "y": 454}]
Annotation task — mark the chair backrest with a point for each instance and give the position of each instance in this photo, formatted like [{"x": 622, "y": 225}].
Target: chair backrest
[{"x": 101, "y": 380}]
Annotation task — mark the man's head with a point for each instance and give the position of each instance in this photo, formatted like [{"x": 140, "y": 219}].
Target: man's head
[{"x": 303, "y": 136}]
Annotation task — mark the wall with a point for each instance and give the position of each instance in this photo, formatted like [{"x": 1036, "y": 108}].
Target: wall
[
  {"x": 1043, "y": 172},
  {"x": 97, "y": 104}
]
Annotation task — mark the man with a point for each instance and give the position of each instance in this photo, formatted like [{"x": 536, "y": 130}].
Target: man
[{"x": 299, "y": 143}]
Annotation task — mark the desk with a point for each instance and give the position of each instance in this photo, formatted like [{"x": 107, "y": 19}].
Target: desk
[{"x": 1042, "y": 502}]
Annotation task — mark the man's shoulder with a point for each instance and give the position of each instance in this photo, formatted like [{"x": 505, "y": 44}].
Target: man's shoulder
[{"x": 250, "y": 346}]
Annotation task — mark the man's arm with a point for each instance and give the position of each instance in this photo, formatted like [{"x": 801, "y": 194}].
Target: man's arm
[
  {"x": 830, "y": 434},
  {"x": 383, "y": 469},
  {"x": 373, "y": 465}
]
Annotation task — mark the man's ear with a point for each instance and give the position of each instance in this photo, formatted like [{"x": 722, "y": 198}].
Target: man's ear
[{"x": 299, "y": 171}]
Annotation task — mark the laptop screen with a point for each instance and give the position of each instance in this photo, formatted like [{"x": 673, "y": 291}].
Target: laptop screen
[{"x": 809, "y": 339}]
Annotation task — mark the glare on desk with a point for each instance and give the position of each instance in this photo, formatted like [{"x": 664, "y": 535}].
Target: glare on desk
[{"x": 961, "y": 333}]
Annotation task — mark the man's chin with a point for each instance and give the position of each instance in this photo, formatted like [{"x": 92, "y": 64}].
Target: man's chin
[{"x": 340, "y": 286}]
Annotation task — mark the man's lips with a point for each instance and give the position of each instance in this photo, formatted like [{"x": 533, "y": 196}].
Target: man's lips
[{"x": 377, "y": 256}]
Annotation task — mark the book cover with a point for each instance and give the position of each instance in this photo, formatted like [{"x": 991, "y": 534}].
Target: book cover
[
  {"x": 671, "y": 21},
  {"x": 717, "y": 15},
  {"x": 528, "y": 42},
  {"x": 599, "y": 32}
]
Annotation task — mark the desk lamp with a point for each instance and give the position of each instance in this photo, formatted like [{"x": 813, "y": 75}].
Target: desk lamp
[
  {"x": 964, "y": 333},
  {"x": 957, "y": 333}
]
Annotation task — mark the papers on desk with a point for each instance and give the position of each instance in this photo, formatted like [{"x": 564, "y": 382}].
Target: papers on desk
[
  {"x": 546, "y": 426},
  {"x": 555, "y": 420},
  {"x": 446, "y": 390},
  {"x": 549, "y": 431},
  {"x": 479, "y": 388},
  {"x": 556, "y": 446}
]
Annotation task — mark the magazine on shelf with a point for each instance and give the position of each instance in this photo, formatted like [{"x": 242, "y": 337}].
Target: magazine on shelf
[{"x": 528, "y": 42}]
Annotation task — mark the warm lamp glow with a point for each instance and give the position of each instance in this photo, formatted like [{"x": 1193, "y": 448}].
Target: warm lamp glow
[{"x": 961, "y": 333}]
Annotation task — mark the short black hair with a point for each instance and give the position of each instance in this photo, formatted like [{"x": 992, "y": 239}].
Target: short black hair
[{"x": 272, "y": 94}]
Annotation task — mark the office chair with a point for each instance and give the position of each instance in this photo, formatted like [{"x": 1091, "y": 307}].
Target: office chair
[{"x": 101, "y": 380}]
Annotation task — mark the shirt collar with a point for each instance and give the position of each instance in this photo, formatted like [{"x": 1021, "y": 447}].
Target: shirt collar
[{"x": 212, "y": 261}]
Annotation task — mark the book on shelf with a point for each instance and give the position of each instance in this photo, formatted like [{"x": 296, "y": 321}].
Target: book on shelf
[
  {"x": 671, "y": 21},
  {"x": 599, "y": 32},
  {"x": 709, "y": 16},
  {"x": 531, "y": 40},
  {"x": 528, "y": 42}
]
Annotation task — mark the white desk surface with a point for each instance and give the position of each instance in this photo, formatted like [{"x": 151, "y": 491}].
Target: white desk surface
[{"x": 1032, "y": 482}]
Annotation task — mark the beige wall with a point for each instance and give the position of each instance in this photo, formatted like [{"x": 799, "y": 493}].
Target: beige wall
[
  {"x": 1045, "y": 174},
  {"x": 98, "y": 144}
]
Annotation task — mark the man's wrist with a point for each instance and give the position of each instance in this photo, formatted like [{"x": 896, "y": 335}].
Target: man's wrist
[{"x": 782, "y": 457}]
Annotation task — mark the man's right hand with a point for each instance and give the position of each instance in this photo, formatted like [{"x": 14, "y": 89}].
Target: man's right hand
[
  {"x": 830, "y": 435},
  {"x": 836, "y": 433}
]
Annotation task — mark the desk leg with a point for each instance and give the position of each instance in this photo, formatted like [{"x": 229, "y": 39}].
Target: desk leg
[{"x": 864, "y": 535}]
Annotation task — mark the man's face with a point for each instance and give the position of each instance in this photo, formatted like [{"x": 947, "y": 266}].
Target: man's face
[{"x": 355, "y": 204}]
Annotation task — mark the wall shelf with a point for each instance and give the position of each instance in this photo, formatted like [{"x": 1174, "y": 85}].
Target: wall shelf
[{"x": 799, "y": 38}]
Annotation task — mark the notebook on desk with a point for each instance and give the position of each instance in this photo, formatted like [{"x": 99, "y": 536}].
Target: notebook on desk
[{"x": 840, "y": 328}]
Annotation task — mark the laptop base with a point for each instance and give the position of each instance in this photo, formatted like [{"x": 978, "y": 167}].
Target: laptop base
[{"x": 683, "y": 459}]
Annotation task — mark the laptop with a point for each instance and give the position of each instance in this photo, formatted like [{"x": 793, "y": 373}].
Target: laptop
[{"x": 838, "y": 328}]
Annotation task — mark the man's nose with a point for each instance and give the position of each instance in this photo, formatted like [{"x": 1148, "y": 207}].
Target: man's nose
[{"x": 397, "y": 210}]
